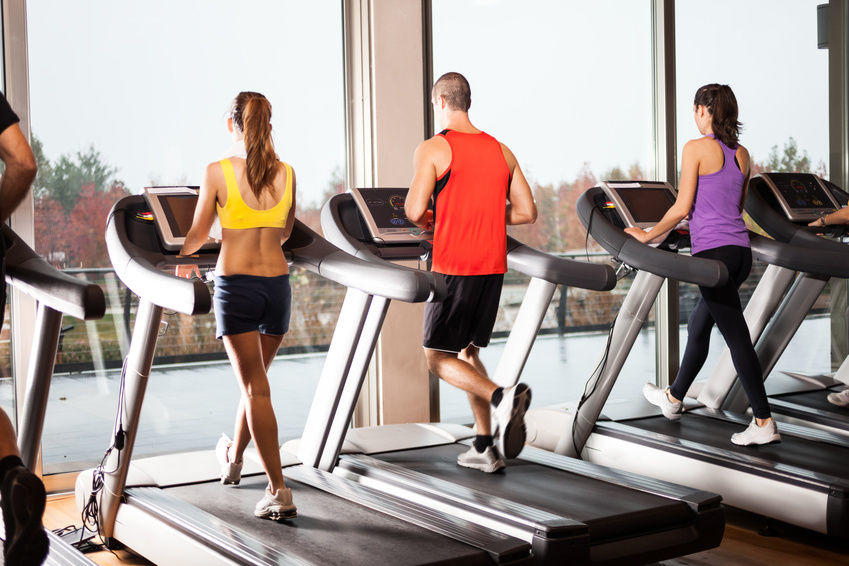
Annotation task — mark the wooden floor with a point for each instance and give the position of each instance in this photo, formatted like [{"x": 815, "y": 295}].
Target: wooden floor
[{"x": 743, "y": 545}]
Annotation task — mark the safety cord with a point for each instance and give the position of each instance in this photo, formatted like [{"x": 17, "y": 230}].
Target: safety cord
[{"x": 91, "y": 510}]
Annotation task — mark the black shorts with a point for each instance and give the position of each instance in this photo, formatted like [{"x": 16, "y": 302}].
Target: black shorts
[
  {"x": 467, "y": 314},
  {"x": 244, "y": 303}
]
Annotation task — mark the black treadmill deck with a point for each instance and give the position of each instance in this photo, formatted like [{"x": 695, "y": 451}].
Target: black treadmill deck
[
  {"x": 610, "y": 511},
  {"x": 791, "y": 451},
  {"x": 329, "y": 529},
  {"x": 815, "y": 400}
]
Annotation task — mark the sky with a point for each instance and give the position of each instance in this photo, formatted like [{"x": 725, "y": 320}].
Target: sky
[{"x": 563, "y": 83}]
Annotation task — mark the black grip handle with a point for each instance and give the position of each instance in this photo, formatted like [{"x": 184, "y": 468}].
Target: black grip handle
[
  {"x": 559, "y": 270},
  {"x": 696, "y": 270}
]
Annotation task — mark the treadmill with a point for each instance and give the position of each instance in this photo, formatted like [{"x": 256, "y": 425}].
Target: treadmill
[
  {"x": 56, "y": 294},
  {"x": 804, "y": 480},
  {"x": 572, "y": 512},
  {"x": 783, "y": 204},
  {"x": 171, "y": 509}
]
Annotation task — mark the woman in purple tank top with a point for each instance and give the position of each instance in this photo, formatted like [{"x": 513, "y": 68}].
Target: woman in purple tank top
[{"x": 711, "y": 192}]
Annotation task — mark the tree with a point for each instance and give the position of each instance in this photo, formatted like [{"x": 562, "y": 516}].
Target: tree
[
  {"x": 310, "y": 212},
  {"x": 68, "y": 175}
]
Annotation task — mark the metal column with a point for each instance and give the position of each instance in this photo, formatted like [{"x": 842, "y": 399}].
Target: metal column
[
  {"x": 137, "y": 371},
  {"x": 48, "y": 324},
  {"x": 632, "y": 315}
]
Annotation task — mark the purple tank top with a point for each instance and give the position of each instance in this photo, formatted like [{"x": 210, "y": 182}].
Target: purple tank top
[{"x": 715, "y": 219}]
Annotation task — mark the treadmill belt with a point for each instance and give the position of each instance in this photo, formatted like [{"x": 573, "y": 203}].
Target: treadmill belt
[
  {"x": 791, "y": 451},
  {"x": 815, "y": 400},
  {"x": 329, "y": 529},
  {"x": 609, "y": 510}
]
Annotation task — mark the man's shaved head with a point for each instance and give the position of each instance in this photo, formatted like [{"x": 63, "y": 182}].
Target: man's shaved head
[{"x": 455, "y": 89}]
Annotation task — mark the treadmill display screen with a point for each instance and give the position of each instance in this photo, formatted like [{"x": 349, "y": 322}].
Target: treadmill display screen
[
  {"x": 646, "y": 204},
  {"x": 179, "y": 211},
  {"x": 387, "y": 207},
  {"x": 801, "y": 191}
]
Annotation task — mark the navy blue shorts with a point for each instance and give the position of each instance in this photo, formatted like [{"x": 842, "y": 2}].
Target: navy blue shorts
[
  {"x": 244, "y": 303},
  {"x": 466, "y": 316}
]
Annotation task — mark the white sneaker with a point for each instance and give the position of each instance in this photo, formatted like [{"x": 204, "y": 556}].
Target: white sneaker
[
  {"x": 672, "y": 410},
  {"x": 509, "y": 418},
  {"x": 486, "y": 461},
  {"x": 276, "y": 506},
  {"x": 755, "y": 434},
  {"x": 231, "y": 472},
  {"x": 840, "y": 399}
]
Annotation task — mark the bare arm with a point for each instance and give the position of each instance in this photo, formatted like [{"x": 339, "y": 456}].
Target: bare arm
[
  {"x": 290, "y": 219},
  {"x": 747, "y": 175},
  {"x": 421, "y": 187},
  {"x": 20, "y": 170},
  {"x": 521, "y": 208},
  {"x": 837, "y": 217},
  {"x": 683, "y": 203},
  {"x": 204, "y": 211}
]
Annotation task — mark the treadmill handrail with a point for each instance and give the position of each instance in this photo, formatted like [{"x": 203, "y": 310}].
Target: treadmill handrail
[
  {"x": 522, "y": 258},
  {"x": 559, "y": 270},
  {"x": 143, "y": 278},
  {"x": 29, "y": 272},
  {"x": 782, "y": 229},
  {"x": 379, "y": 278},
  {"x": 697, "y": 270},
  {"x": 826, "y": 262}
]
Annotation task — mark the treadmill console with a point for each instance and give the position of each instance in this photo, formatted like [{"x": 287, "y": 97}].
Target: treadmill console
[
  {"x": 172, "y": 210},
  {"x": 382, "y": 210},
  {"x": 639, "y": 203},
  {"x": 802, "y": 197}
]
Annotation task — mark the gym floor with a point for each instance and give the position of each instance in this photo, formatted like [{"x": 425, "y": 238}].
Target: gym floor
[{"x": 750, "y": 540}]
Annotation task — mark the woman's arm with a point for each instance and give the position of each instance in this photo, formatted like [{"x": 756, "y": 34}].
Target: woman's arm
[
  {"x": 683, "y": 203},
  {"x": 837, "y": 217},
  {"x": 204, "y": 211},
  {"x": 290, "y": 219}
]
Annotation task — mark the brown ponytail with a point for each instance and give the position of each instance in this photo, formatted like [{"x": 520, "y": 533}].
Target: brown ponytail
[
  {"x": 251, "y": 114},
  {"x": 722, "y": 105}
]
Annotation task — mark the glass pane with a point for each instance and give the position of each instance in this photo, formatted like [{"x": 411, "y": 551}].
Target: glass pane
[
  {"x": 571, "y": 120},
  {"x": 123, "y": 97},
  {"x": 781, "y": 87},
  {"x": 7, "y": 379}
]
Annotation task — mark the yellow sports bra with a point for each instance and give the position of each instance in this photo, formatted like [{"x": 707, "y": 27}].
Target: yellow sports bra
[{"x": 237, "y": 215}]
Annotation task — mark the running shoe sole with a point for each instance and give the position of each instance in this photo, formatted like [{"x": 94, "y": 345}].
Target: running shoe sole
[
  {"x": 514, "y": 435},
  {"x": 278, "y": 515},
  {"x": 486, "y": 468},
  {"x": 23, "y": 500}
]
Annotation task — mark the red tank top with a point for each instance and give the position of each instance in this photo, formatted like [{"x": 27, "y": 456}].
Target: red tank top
[{"x": 470, "y": 201}]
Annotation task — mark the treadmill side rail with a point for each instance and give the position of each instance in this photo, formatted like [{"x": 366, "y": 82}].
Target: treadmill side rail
[
  {"x": 228, "y": 540},
  {"x": 695, "y": 499}
]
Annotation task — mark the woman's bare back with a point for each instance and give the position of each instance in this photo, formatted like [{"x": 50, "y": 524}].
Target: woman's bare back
[{"x": 253, "y": 251}]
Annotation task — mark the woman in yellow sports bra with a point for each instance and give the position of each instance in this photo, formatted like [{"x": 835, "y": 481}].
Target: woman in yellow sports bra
[{"x": 254, "y": 197}]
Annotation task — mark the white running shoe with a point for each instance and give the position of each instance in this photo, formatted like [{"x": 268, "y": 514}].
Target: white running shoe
[
  {"x": 231, "y": 472},
  {"x": 672, "y": 410},
  {"x": 755, "y": 434},
  {"x": 840, "y": 399},
  {"x": 276, "y": 506},
  {"x": 509, "y": 418},
  {"x": 486, "y": 461}
]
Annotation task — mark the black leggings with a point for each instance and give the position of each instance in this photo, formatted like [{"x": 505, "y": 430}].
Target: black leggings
[{"x": 721, "y": 305}]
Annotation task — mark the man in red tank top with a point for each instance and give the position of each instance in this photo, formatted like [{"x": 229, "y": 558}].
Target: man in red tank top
[{"x": 470, "y": 187}]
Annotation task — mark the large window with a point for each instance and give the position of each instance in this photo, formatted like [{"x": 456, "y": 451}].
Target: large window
[
  {"x": 125, "y": 96},
  {"x": 766, "y": 50},
  {"x": 567, "y": 86}
]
